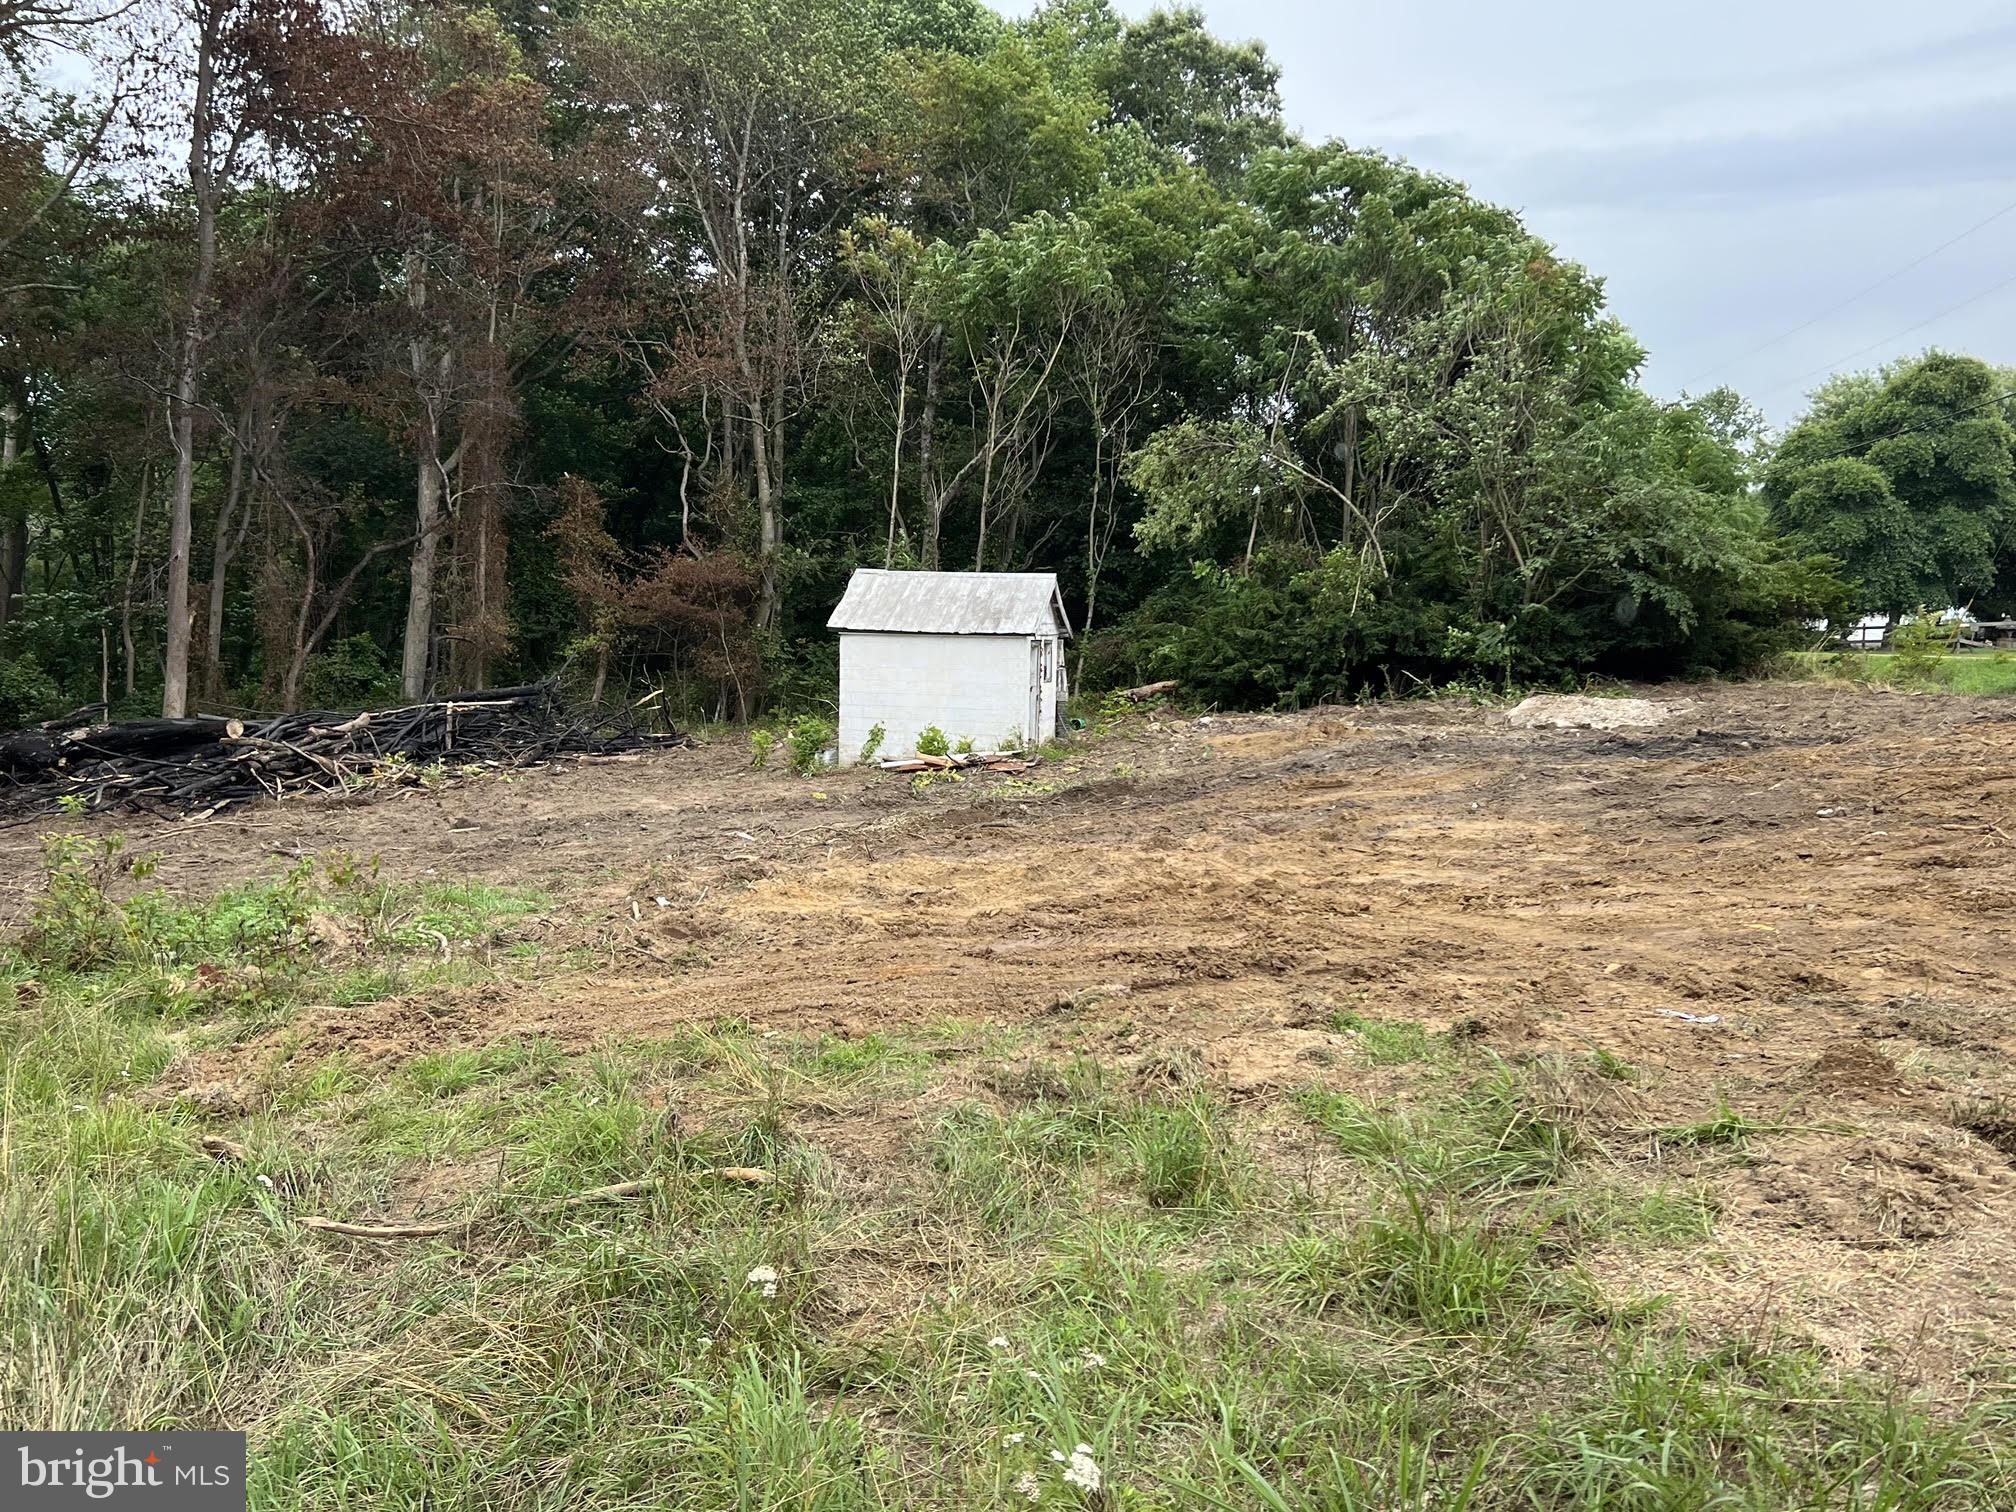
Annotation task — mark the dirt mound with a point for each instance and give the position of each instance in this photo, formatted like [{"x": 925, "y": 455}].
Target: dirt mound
[
  {"x": 1558, "y": 711},
  {"x": 1992, "y": 1122},
  {"x": 1853, "y": 1069}
]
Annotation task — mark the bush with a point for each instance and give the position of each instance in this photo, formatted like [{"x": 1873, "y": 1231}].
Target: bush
[
  {"x": 76, "y": 924},
  {"x": 27, "y": 693},
  {"x": 931, "y": 741},
  {"x": 761, "y": 744},
  {"x": 807, "y": 741},
  {"x": 1920, "y": 646},
  {"x": 348, "y": 674}
]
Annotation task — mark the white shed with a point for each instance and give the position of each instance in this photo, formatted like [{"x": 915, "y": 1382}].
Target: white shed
[{"x": 980, "y": 655}]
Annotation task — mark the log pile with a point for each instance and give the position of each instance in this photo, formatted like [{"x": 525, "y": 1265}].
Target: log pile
[{"x": 197, "y": 766}]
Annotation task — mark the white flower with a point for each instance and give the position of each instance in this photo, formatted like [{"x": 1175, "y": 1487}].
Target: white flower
[
  {"x": 1029, "y": 1486},
  {"x": 764, "y": 1276},
  {"x": 1091, "y": 1359},
  {"x": 1082, "y": 1470},
  {"x": 264, "y": 1180},
  {"x": 999, "y": 1341},
  {"x": 1010, "y": 1440}
]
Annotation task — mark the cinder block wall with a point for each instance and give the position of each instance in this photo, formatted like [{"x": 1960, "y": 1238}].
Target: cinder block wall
[{"x": 967, "y": 685}]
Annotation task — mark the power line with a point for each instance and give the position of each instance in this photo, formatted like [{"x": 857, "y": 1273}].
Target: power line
[
  {"x": 1835, "y": 309},
  {"x": 1952, "y": 309},
  {"x": 1907, "y": 430}
]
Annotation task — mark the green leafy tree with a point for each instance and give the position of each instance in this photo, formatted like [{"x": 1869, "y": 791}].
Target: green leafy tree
[{"x": 1909, "y": 477}]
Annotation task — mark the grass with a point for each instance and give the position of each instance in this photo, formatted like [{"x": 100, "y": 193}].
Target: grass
[
  {"x": 1332, "y": 1304},
  {"x": 1386, "y": 1042},
  {"x": 1978, "y": 673}
]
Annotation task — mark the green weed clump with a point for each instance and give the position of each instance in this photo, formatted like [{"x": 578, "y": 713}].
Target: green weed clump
[{"x": 807, "y": 741}]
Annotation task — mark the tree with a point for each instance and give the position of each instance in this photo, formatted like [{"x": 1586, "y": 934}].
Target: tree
[
  {"x": 1213, "y": 104},
  {"x": 221, "y": 57},
  {"x": 1909, "y": 479},
  {"x": 468, "y": 340},
  {"x": 740, "y": 140}
]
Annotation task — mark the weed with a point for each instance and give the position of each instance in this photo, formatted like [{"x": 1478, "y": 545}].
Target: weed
[
  {"x": 1386, "y": 1042},
  {"x": 1614, "y": 1067},
  {"x": 872, "y": 746},
  {"x": 761, "y": 743},
  {"x": 76, "y": 924},
  {"x": 1514, "y": 1138},
  {"x": 807, "y": 741},
  {"x": 1361, "y": 1131},
  {"x": 1726, "y": 1128},
  {"x": 1184, "y": 1157},
  {"x": 1920, "y": 647},
  {"x": 931, "y": 742}
]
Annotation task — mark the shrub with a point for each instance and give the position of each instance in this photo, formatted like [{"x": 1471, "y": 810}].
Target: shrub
[
  {"x": 807, "y": 740},
  {"x": 931, "y": 741},
  {"x": 76, "y": 924},
  {"x": 1921, "y": 645},
  {"x": 349, "y": 673},
  {"x": 27, "y": 693},
  {"x": 761, "y": 744}
]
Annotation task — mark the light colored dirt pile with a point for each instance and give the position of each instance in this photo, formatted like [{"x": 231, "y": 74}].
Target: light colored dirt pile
[
  {"x": 1823, "y": 872},
  {"x": 1557, "y": 711}
]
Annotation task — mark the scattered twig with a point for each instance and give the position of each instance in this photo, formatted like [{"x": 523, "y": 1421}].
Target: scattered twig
[{"x": 747, "y": 1175}]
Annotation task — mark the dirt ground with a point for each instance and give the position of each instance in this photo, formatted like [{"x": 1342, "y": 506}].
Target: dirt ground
[{"x": 1794, "y": 897}]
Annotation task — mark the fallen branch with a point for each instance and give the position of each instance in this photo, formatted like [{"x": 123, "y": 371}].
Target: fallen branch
[
  {"x": 1151, "y": 690},
  {"x": 384, "y": 1230},
  {"x": 749, "y": 1175}
]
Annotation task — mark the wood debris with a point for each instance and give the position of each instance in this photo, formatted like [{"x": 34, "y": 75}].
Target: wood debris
[
  {"x": 197, "y": 766},
  {"x": 990, "y": 761}
]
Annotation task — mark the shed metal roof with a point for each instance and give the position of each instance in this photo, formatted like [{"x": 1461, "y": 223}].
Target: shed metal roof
[{"x": 952, "y": 603}]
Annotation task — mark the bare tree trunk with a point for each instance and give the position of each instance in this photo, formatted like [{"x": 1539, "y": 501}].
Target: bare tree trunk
[
  {"x": 132, "y": 574},
  {"x": 223, "y": 547},
  {"x": 927, "y": 427},
  {"x": 896, "y": 464},
  {"x": 205, "y": 189},
  {"x": 13, "y": 533},
  {"x": 770, "y": 535},
  {"x": 175, "y": 667},
  {"x": 420, "y": 590},
  {"x": 430, "y": 376}
]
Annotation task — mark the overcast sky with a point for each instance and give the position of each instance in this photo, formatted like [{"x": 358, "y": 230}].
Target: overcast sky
[{"x": 1731, "y": 167}]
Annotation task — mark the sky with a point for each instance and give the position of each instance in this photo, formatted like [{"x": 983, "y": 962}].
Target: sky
[{"x": 1732, "y": 168}]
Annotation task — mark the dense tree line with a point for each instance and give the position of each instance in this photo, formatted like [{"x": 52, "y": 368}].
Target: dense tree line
[{"x": 355, "y": 349}]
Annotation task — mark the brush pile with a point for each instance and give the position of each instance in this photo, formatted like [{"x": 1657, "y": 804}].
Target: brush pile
[{"x": 195, "y": 767}]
